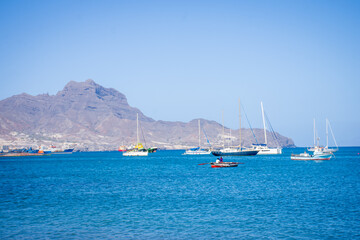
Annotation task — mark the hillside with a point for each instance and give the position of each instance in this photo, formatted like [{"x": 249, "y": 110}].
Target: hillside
[{"x": 98, "y": 118}]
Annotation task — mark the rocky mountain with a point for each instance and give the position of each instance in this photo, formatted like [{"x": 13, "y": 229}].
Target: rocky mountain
[{"x": 98, "y": 118}]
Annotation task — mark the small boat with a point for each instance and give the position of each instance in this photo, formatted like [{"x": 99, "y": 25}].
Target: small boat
[
  {"x": 122, "y": 148},
  {"x": 307, "y": 156},
  {"x": 317, "y": 149},
  {"x": 138, "y": 150},
  {"x": 223, "y": 164},
  {"x": 198, "y": 150},
  {"x": 152, "y": 149},
  {"x": 219, "y": 163}
]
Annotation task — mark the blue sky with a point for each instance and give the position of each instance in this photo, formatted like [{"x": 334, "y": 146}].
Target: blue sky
[{"x": 181, "y": 60}]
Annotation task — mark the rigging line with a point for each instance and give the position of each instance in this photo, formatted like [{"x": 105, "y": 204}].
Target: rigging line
[
  {"x": 206, "y": 137},
  {"x": 249, "y": 124},
  {"x": 332, "y": 134},
  {"x": 273, "y": 133},
  {"x": 142, "y": 133},
  {"x": 271, "y": 128}
]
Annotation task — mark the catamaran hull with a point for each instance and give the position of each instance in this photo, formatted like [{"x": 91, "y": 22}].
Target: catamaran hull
[{"x": 235, "y": 153}]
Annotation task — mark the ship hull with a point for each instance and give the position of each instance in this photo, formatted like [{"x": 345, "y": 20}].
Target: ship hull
[{"x": 235, "y": 153}]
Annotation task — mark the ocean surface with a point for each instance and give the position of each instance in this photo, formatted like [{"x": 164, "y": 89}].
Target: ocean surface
[{"x": 167, "y": 195}]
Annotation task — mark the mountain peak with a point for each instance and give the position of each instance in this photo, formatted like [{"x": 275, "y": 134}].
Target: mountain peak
[
  {"x": 91, "y": 88},
  {"x": 90, "y": 81},
  {"x": 80, "y": 85}
]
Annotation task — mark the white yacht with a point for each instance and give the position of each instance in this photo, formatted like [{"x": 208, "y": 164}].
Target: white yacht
[
  {"x": 317, "y": 149},
  {"x": 263, "y": 148}
]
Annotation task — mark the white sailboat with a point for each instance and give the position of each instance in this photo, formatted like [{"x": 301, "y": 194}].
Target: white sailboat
[
  {"x": 263, "y": 148},
  {"x": 138, "y": 150},
  {"x": 307, "y": 156},
  {"x": 317, "y": 149},
  {"x": 198, "y": 150}
]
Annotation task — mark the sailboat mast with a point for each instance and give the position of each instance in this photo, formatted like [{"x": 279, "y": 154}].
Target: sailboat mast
[
  {"x": 199, "y": 132},
  {"x": 332, "y": 133},
  {"x": 263, "y": 117},
  {"x": 239, "y": 124},
  {"x": 314, "y": 134},
  {"x": 223, "y": 130},
  {"x": 137, "y": 128},
  {"x": 230, "y": 139},
  {"x": 327, "y": 133}
]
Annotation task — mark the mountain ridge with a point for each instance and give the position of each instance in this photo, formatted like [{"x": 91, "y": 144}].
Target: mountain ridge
[{"x": 97, "y": 118}]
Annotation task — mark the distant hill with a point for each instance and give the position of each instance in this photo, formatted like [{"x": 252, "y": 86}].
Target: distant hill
[{"x": 98, "y": 118}]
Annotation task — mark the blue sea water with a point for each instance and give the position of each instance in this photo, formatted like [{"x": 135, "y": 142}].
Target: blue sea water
[{"x": 168, "y": 195}]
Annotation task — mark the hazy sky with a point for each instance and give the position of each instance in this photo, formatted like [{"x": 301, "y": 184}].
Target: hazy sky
[{"x": 180, "y": 60}]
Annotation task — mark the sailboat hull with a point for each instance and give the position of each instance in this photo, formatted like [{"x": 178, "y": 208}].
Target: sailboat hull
[
  {"x": 322, "y": 150},
  {"x": 311, "y": 157},
  {"x": 235, "y": 153},
  {"x": 135, "y": 153},
  {"x": 330, "y": 150},
  {"x": 197, "y": 152}
]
